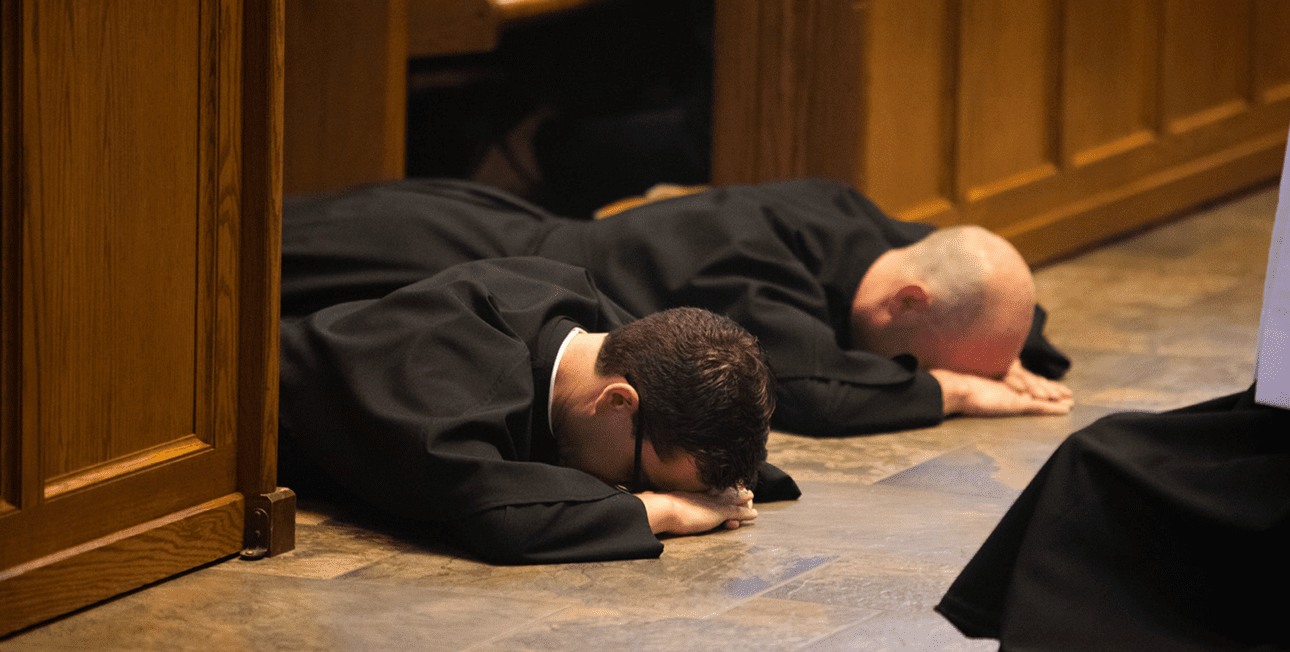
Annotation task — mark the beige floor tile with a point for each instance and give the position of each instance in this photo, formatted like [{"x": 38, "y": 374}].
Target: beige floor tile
[{"x": 244, "y": 612}]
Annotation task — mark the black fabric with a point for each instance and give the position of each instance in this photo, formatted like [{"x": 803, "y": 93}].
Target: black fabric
[
  {"x": 430, "y": 403},
  {"x": 372, "y": 240},
  {"x": 1039, "y": 355},
  {"x": 1143, "y": 532},
  {"x": 782, "y": 259}
]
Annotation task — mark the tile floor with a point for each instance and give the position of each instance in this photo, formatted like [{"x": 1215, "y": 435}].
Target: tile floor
[{"x": 1161, "y": 320}]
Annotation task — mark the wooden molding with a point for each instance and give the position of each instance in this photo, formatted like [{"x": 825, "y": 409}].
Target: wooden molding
[{"x": 94, "y": 571}]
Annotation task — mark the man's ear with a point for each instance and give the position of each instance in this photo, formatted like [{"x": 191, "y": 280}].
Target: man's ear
[
  {"x": 909, "y": 300},
  {"x": 618, "y": 396}
]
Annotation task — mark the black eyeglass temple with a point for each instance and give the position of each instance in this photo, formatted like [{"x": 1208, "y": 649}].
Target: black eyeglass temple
[{"x": 636, "y": 473}]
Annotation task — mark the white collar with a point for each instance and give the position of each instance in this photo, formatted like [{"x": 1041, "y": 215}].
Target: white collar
[{"x": 550, "y": 392}]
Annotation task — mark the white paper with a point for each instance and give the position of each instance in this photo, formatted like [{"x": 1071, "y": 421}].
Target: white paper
[{"x": 1272, "y": 369}]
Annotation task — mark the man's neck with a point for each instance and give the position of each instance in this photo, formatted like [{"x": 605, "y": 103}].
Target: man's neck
[
  {"x": 875, "y": 286},
  {"x": 583, "y": 439},
  {"x": 575, "y": 378}
]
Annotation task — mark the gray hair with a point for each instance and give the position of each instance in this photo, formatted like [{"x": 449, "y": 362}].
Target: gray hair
[{"x": 955, "y": 266}]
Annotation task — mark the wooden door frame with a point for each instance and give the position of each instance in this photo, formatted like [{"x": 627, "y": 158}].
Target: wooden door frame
[{"x": 243, "y": 184}]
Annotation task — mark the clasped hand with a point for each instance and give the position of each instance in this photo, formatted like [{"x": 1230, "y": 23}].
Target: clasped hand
[
  {"x": 684, "y": 512},
  {"x": 1018, "y": 392}
]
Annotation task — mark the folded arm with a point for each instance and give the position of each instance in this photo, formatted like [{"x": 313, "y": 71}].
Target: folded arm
[{"x": 682, "y": 512}]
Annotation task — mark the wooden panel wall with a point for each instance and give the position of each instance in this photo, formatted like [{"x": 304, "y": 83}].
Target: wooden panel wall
[
  {"x": 346, "y": 92},
  {"x": 95, "y": 354},
  {"x": 1054, "y": 122},
  {"x": 139, "y": 198}
]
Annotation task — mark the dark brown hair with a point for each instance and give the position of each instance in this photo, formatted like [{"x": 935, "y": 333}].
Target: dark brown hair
[{"x": 704, "y": 386}]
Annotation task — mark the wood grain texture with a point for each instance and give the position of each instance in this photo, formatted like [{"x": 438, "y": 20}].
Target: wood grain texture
[
  {"x": 126, "y": 560},
  {"x": 142, "y": 183},
  {"x": 109, "y": 138},
  {"x": 1058, "y": 124},
  {"x": 12, "y": 462},
  {"x": 346, "y": 92},
  {"x": 1113, "y": 66},
  {"x": 786, "y": 91},
  {"x": 1006, "y": 95},
  {"x": 911, "y": 144},
  {"x": 1206, "y": 62},
  {"x": 260, "y": 246}
]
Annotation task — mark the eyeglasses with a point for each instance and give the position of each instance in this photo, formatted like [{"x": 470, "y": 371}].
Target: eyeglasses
[
  {"x": 638, "y": 473},
  {"x": 638, "y": 483}
]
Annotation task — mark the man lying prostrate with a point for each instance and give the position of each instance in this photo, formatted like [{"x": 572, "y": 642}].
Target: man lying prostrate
[
  {"x": 511, "y": 401},
  {"x": 865, "y": 331},
  {"x": 962, "y": 301}
]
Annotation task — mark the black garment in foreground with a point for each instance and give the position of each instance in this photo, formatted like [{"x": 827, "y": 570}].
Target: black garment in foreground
[
  {"x": 1144, "y": 531},
  {"x": 781, "y": 259}
]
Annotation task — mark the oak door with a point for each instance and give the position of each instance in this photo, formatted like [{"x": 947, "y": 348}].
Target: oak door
[{"x": 138, "y": 259}]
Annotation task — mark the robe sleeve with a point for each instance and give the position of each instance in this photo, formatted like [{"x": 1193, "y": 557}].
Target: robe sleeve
[
  {"x": 1038, "y": 355},
  {"x": 421, "y": 404},
  {"x": 609, "y": 529},
  {"x": 830, "y": 407}
]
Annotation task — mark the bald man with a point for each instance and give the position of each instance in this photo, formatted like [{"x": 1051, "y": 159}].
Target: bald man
[
  {"x": 869, "y": 324},
  {"x": 962, "y": 301}
]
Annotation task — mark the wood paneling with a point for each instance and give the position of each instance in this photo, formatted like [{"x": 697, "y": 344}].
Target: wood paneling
[
  {"x": 1206, "y": 62},
  {"x": 1005, "y": 96},
  {"x": 91, "y": 362},
  {"x": 13, "y": 457},
  {"x": 1057, "y": 124},
  {"x": 1272, "y": 74},
  {"x": 1110, "y": 65},
  {"x": 439, "y": 27},
  {"x": 346, "y": 92},
  {"x": 916, "y": 126},
  {"x": 138, "y": 263},
  {"x": 145, "y": 553},
  {"x": 797, "y": 110}
]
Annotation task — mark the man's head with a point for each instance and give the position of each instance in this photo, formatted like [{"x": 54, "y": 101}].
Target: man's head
[
  {"x": 960, "y": 299},
  {"x": 704, "y": 388}
]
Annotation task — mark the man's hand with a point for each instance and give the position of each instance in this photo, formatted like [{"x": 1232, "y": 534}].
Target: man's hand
[
  {"x": 683, "y": 512},
  {"x": 1026, "y": 382},
  {"x": 979, "y": 396}
]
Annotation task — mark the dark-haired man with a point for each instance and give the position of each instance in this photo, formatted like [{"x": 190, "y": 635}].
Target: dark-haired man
[
  {"x": 846, "y": 301},
  {"x": 510, "y": 400}
]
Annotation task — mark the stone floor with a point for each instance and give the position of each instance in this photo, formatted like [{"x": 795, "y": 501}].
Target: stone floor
[{"x": 1161, "y": 320}]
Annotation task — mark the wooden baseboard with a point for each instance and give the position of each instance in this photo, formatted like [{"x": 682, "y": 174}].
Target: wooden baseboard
[
  {"x": 1076, "y": 226},
  {"x": 81, "y": 576}
]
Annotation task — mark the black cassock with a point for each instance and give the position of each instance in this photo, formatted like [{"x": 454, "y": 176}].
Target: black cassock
[
  {"x": 1144, "y": 531},
  {"x": 781, "y": 259},
  {"x": 431, "y": 404}
]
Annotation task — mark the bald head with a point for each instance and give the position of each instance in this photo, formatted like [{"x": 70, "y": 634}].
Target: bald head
[{"x": 961, "y": 299}]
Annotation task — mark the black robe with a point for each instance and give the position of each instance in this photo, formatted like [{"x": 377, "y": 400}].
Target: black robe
[
  {"x": 431, "y": 404},
  {"x": 1144, "y": 531},
  {"x": 781, "y": 259}
]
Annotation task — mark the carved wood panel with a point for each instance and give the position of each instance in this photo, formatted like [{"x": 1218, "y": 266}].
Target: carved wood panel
[
  {"x": 1056, "y": 123},
  {"x": 137, "y": 264}
]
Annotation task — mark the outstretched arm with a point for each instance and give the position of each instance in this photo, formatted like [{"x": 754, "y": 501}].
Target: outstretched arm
[
  {"x": 683, "y": 512},
  {"x": 973, "y": 395}
]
